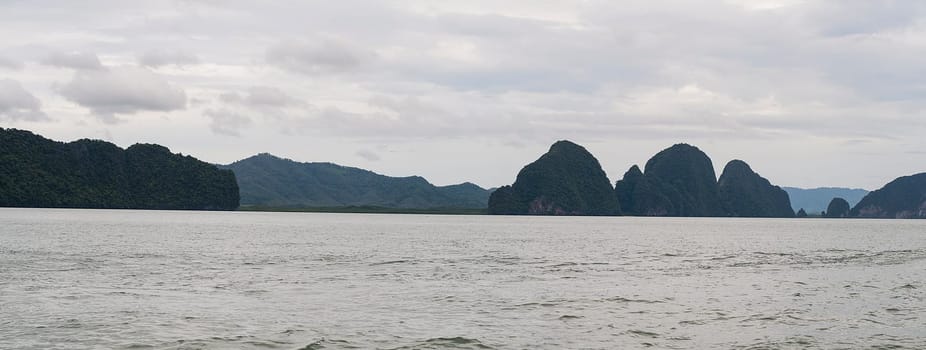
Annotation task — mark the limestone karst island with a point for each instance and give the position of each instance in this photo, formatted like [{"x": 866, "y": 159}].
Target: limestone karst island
[{"x": 567, "y": 180}]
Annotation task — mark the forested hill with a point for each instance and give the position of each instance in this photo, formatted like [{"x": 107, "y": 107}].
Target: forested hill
[
  {"x": 269, "y": 181},
  {"x": 903, "y": 198},
  {"x": 567, "y": 180},
  {"x": 677, "y": 181},
  {"x": 38, "y": 172}
]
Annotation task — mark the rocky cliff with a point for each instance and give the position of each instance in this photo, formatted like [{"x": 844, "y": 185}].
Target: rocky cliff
[
  {"x": 747, "y": 194},
  {"x": 903, "y": 198},
  {"x": 678, "y": 181},
  {"x": 567, "y": 180}
]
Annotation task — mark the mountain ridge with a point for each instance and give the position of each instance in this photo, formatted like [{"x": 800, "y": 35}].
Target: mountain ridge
[{"x": 268, "y": 180}]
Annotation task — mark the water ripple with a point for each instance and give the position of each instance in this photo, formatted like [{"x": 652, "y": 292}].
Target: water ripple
[{"x": 200, "y": 280}]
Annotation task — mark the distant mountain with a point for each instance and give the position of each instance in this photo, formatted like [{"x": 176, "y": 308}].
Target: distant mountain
[
  {"x": 567, "y": 180},
  {"x": 815, "y": 200},
  {"x": 746, "y": 194},
  {"x": 38, "y": 172},
  {"x": 267, "y": 180},
  {"x": 678, "y": 181},
  {"x": 903, "y": 198}
]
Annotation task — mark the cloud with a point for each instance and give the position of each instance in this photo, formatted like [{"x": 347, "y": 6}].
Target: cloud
[
  {"x": 861, "y": 17},
  {"x": 9, "y": 63},
  {"x": 261, "y": 96},
  {"x": 780, "y": 73},
  {"x": 270, "y": 103},
  {"x": 368, "y": 155},
  {"x": 158, "y": 58},
  {"x": 226, "y": 122},
  {"x": 73, "y": 60},
  {"x": 18, "y": 104},
  {"x": 122, "y": 91},
  {"x": 388, "y": 118},
  {"x": 317, "y": 57}
]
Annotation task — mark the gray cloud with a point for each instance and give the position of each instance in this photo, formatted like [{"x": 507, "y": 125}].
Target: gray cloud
[
  {"x": 746, "y": 75},
  {"x": 18, "y": 104},
  {"x": 855, "y": 17},
  {"x": 321, "y": 56},
  {"x": 9, "y": 63},
  {"x": 226, "y": 122},
  {"x": 261, "y": 96},
  {"x": 121, "y": 91},
  {"x": 368, "y": 155},
  {"x": 158, "y": 58},
  {"x": 73, "y": 60}
]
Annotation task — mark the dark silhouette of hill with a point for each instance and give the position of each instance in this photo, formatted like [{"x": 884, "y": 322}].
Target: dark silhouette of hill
[
  {"x": 38, "y": 172},
  {"x": 838, "y": 208},
  {"x": 567, "y": 180},
  {"x": 677, "y": 181},
  {"x": 270, "y": 181},
  {"x": 903, "y": 198},
  {"x": 747, "y": 194},
  {"x": 624, "y": 189}
]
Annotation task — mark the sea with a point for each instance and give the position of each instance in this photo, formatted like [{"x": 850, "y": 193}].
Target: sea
[{"x": 125, "y": 279}]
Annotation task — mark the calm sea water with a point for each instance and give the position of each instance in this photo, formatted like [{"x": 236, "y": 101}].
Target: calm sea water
[{"x": 92, "y": 279}]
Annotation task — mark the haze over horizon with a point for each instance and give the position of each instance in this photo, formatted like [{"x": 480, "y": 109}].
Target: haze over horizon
[{"x": 809, "y": 93}]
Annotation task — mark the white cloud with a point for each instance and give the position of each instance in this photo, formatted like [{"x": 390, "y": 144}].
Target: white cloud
[
  {"x": 18, "y": 104},
  {"x": 122, "y": 91}
]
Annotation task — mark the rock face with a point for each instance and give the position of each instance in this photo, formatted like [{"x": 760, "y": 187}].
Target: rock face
[
  {"x": 801, "y": 213},
  {"x": 567, "y": 180},
  {"x": 903, "y": 198},
  {"x": 838, "y": 208},
  {"x": 270, "y": 181},
  {"x": 746, "y": 194},
  {"x": 678, "y": 181},
  {"x": 38, "y": 172},
  {"x": 624, "y": 189}
]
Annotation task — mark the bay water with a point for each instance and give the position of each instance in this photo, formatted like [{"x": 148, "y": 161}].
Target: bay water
[{"x": 124, "y": 279}]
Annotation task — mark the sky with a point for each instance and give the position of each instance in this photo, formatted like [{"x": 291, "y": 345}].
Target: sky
[{"x": 809, "y": 93}]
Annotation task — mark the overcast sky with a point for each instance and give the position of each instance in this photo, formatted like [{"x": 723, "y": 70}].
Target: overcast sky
[{"x": 809, "y": 93}]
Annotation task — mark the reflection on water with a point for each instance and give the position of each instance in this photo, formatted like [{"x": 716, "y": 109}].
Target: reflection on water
[{"x": 86, "y": 279}]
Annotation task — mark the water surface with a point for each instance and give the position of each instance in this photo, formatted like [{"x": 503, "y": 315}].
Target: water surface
[{"x": 89, "y": 279}]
